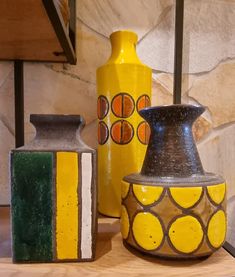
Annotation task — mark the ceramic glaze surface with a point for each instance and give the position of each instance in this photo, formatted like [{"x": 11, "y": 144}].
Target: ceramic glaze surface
[
  {"x": 32, "y": 215},
  {"x": 186, "y": 197},
  {"x": 67, "y": 232},
  {"x": 164, "y": 227},
  {"x": 124, "y": 87},
  {"x": 53, "y": 194},
  {"x": 147, "y": 195},
  {"x": 171, "y": 136},
  {"x": 174, "y": 208},
  {"x": 152, "y": 236}
]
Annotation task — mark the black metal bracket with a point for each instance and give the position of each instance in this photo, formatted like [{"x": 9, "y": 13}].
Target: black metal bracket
[
  {"x": 72, "y": 23},
  {"x": 229, "y": 248},
  {"x": 19, "y": 102},
  {"x": 60, "y": 30},
  {"x": 179, "y": 30}
]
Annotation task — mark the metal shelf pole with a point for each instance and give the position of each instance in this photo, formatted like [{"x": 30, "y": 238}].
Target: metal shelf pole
[
  {"x": 179, "y": 30},
  {"x": 19, "y": 102}
]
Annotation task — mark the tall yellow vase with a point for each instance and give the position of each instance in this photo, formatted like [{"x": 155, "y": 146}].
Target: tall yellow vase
[{"x": 124, "y": 87}]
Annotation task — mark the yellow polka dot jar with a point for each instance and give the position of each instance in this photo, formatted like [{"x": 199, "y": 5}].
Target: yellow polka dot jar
[{"x": 173, "y": 208}]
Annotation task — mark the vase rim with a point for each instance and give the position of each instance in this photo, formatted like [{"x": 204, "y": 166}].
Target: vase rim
[
  {"x": 207, "y": 178},
  {"x": 174, "y": 106},
  {"x": 56, "y": 118},
  {"x": 124, "y": 32}
]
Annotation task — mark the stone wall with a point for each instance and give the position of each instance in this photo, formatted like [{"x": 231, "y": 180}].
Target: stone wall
[{"x": 209, "y": 74}]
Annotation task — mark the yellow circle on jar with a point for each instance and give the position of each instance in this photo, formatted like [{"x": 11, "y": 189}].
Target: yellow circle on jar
[
  {"x": 124, "y": 222},
  {"x": 147, "y": 195},
  {"x": 147, "y": 230},
  {"x": 217, "y": 192},
  {"x": 186, "y": 234},
  {"x": 186, "y": 197},
  {"x": 124, "y": 189},
  {"x": 217, "y": 229}
]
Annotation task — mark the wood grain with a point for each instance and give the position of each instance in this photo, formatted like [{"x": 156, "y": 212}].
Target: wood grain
[
  {"x": 26, "y": 32},
  {"x": 112, "y": 259}
]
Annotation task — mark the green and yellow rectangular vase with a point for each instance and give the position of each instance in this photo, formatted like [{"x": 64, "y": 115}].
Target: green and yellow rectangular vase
[{"x": 53, "y": 205}]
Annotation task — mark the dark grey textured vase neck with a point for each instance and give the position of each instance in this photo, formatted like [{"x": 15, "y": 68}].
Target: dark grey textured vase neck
[
  {"x": 57, "y": 127},
  {"x": 56, "y": 132},
  {"x": 172, "y": 151}
]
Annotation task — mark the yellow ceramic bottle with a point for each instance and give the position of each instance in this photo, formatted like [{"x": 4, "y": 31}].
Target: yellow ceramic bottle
[{"x": 124, "y": 87}]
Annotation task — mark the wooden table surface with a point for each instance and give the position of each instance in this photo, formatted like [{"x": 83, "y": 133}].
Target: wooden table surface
[{"x": 113, "y": 259}]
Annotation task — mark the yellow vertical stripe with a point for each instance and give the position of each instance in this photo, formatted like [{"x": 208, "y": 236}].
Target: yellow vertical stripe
[{"x": 67, "y": 205}]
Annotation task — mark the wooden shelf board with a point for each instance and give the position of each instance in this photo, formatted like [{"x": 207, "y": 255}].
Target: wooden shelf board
[
  {"x": 26, "y": 32},
  {"x": 112, "y": 259}
]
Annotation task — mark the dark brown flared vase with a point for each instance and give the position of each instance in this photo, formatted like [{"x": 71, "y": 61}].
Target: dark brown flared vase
[{"x": 173, "y": 208}]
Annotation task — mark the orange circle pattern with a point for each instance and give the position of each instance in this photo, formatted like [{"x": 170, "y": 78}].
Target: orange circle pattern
[
  {"x": 102, "y": 107},
  {"x": 143, "y": 132},
  {"x": 103, "y": 133},
  {"x": 123, "y": 105},
  {"x": 122, "y": 132},
  {"x": 143, "y": 102}
]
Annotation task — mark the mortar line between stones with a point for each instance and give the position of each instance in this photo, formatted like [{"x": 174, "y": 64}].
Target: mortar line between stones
[
  {"x": 161, "y": 18},
  {"x": 220, "y": 62},
  {"x": 194, "y": 100},
  {"x": 215, "y": 132},
  {"x": 7, "y": 125},
  {"x": 90, "y": 28},
  {"x": 5, "y": 79},
  {"x": 72, "y": 75}
]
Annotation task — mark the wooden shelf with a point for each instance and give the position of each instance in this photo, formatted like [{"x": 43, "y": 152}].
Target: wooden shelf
[
  {"x": 34, "y": 30},
  {"x": 112, "y": 259}
]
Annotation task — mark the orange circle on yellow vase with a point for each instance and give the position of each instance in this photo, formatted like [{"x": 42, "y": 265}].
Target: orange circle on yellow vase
[
  {"x": 143, "y": 102},
  {"x": 102, "y": 107},
  {"x": 123, "y": 105},
  {"x": 122, "y": 132},
  {"x": 143, "y": 132},
  {"x": 103, "y": 133}
]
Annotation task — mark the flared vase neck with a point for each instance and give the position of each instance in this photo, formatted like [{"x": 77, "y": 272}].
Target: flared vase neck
[
  {"x": 123, "y": 48},
  {"x": 172, "y": 151},
  {"x": 55, "y": 128}
]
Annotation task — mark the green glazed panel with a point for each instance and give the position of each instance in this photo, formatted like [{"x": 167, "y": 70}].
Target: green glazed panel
[{"x": 32, "y": 182}]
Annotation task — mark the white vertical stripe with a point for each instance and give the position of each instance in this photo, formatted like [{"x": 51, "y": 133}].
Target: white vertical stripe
[{"x": 86, "y": 220}]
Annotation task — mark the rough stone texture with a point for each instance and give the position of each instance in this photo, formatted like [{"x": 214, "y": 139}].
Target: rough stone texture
[
  {"x": 58, "y": 93},
  {"x": 6, "y": 69},
  {"x": 215, "y": 90},
  {"x": 200, "y": 128},
  {"x": 160, "y": 94},
  {"x": 108, "y": 16},
  {"x": 209, "y": 34},
  {"x": 160, "y": 54},
  {"x": 209, "y": 37},
  {"x": 217, "y": 153},
  {"x": 7, "y": 132},
  {"x": 7, "y": 96},
  {"x": 166, "y": 81},
  {"x": 88, "y": 59},
  {"x": 6, "y": 144}
]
